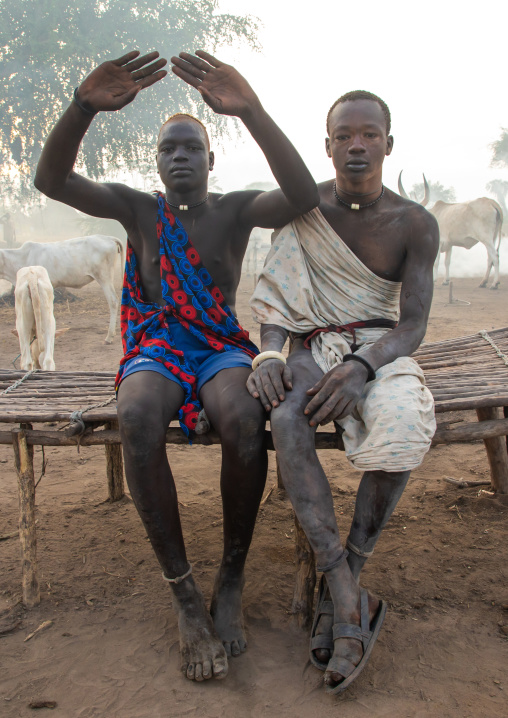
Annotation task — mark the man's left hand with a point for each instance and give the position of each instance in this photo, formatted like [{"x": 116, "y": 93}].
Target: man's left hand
[
  {"x": 221, "y": 86},
  {"x": 336, "y": 393}
]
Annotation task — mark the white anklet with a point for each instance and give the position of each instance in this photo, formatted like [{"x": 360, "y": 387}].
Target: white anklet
[
  {"x": 356, "y": 550},
  {"x": 178, "y": 579}
]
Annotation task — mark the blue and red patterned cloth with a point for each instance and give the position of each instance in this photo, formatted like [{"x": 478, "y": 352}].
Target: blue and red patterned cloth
[{"x": 191, "y": 297}]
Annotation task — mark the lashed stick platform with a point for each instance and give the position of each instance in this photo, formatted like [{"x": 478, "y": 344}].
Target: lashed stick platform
[{"x": 465, "y": 373}]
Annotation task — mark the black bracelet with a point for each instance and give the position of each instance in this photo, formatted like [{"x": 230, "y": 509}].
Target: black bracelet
[
  {"x": 356, "y": 357},
  {"x": 81, "y": 106}
]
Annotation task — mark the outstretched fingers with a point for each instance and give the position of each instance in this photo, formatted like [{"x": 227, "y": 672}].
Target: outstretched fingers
[
  {"x": 135, "y": 64},
  {"x": 120, "y": 61},
  {"x": 209, "y": 58},
  {"x": 152, "y": 69}
]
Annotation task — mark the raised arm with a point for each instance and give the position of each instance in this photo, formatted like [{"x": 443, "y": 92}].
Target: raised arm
[
  {"x": 109, "y": 87},
  {"x": 228, "y": 93}
]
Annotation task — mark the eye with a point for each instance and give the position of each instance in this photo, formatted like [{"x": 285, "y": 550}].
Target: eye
[{"x": 341, "y": 138}]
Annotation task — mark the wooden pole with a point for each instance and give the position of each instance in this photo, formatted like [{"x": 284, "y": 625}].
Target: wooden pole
[
  {"x": 303, "y": 596},
  {"x": 496, "y": 452},
  {"x": 24, "y": 460},
  {"x": 114, "y": 466}
]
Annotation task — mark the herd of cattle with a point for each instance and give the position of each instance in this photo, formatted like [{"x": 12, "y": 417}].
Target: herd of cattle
[{"x": 36, "y": 268}]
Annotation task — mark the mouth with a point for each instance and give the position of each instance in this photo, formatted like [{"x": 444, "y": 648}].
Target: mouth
[
  {"x": 181, "y": 171},
  {"x": 357, "y": 165}
]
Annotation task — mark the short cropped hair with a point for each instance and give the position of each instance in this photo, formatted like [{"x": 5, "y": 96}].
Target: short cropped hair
[
  {"x": 186, "y": 116},
  {"x": 361, "y": 95}
]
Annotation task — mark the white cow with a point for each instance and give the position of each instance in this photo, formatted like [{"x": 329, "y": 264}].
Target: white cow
[
  {"x": 71, "y": 263},
  {"x": 464, "y": 224},
  {"x": 35, "y": 322}
]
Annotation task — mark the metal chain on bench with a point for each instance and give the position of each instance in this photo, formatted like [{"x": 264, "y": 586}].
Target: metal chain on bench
[
  {"x": 493, "y": 344},
  {"x": 19, "y": 381},
  {"x": 77, "y": 416}
]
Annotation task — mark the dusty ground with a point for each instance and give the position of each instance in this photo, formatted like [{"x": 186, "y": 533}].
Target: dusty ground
[{"x": 112, "y": 649}]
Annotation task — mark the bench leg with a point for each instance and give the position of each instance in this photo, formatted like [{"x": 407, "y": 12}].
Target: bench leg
[
  {"x": 114, "y": 467},
  {"x": 303, "y": 596},
  {"x": 24, "y": 460},
  {"x": 496, "y": 452}
]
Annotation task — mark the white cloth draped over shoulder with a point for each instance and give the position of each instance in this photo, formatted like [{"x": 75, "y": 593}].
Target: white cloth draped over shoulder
[{"x": 311, "y": 279}]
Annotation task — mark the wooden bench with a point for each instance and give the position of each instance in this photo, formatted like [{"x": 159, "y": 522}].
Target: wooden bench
[{"x": 463, "y": 374}]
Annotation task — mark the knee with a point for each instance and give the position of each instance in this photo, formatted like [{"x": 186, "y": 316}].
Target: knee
[
  {"x": 290, "y": 427},
  {"x": 142, "y": 434},
  {"x": 244, "y": 434}
]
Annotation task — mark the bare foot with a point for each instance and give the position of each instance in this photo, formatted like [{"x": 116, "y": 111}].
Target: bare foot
[
  {"x": 226, "y": 610},
  {"x": 202, "y": 653},
  {"x": 345, "y": 594}
]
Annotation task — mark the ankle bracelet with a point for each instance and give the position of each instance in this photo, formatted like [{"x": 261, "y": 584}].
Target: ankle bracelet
[
  {"x": 357, "y": 551},
  {"x": 336, "y": 563},
  {"x": 178, "y": 579}
]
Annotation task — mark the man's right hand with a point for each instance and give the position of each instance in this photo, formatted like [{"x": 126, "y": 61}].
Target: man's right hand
[
  {"x": 115, "y": 83},
  {"x": 269, "y": 382}
]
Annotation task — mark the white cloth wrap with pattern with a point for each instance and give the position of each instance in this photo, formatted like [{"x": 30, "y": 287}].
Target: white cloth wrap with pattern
[{"x": 312, "y": 279}]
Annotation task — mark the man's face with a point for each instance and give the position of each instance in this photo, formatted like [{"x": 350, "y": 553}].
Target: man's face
[
  {"x": 183, "y": 156},
  {"x": 358, "y": 142}
]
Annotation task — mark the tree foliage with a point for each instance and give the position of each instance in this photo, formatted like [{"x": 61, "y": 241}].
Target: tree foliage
[
  {"x": 437, "y": 191},
  {"x": 500, "y": 150},
  {"x": 48, "y": 46}
]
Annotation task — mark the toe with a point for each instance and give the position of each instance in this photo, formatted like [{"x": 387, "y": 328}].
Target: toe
[
  {"x": 220, "y": 667},
  {"x": 198, "y": 673},
  {"x": 323, "y": 655},
  {"x": 235, "y": 648},
  {"x": 190, "y": 671},
  {"x": 207, "y": 670},
  {"x": 227, "y": 648},
  {"x": 243, "y": 645}
]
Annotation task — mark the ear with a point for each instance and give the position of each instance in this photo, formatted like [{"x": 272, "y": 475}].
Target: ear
[
  {"x": 59, "y": 332},
  {"x": 211, "y": 161},
  {"x": 327, "y": 146},
  {"x": 15, "y": 332},
  {"x": 389, "y": 145}
]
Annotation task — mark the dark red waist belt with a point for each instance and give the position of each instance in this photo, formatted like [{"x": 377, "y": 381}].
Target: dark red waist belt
[{"x": 339, "y": 329}]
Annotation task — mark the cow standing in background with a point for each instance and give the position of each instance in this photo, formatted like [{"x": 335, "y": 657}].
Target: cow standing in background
[
  {"x": 71, "y": 263},
  {"x": 35, "y": 322},
  {"x": 464, "y": 224}
]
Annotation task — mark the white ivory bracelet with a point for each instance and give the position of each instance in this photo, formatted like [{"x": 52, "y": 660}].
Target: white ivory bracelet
[{"x": 260, "y": 358}]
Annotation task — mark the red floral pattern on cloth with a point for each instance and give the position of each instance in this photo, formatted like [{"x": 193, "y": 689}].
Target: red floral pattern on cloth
[{"x": 191, "y": 297}]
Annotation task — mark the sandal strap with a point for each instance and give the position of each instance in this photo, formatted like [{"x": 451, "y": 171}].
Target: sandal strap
[
  {"x": 323, "y": 640},
  {"x": 325, "y": 608},
  {"x": 334, "y": 564}
]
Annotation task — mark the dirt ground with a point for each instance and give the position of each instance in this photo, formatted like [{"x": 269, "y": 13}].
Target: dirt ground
[{"x": 112, "y": 649}]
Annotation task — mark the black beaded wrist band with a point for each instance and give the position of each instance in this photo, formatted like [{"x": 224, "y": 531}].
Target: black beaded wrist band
[
  {"x": 81, "y": 106},
  {"x": 356, "y": 357}
]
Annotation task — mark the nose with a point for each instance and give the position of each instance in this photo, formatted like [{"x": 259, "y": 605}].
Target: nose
[
  {"x": 357, "y": 144},
  {"x": 180, "y": 155}
]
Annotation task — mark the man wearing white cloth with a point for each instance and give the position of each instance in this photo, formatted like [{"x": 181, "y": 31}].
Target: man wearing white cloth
[{"x": 352, "y": 282}]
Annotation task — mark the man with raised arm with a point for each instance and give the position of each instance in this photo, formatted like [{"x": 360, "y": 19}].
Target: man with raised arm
[
  {"x": 183, "y": 345},
  {"x": 352, "y": 282}
]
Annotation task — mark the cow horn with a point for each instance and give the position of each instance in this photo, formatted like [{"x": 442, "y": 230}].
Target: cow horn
[
  {"x": 402, "y": 191},
  {"x": 426, "y": 196}
]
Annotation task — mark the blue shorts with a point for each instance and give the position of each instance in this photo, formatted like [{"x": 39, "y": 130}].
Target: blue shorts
[{"x": 204, "y": 361}]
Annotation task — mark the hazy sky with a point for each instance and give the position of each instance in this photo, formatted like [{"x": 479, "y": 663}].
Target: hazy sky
[{"x": 440, "y": 66}]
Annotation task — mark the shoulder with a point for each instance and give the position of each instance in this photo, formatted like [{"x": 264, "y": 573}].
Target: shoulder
[{"x": 419, "y": 222}]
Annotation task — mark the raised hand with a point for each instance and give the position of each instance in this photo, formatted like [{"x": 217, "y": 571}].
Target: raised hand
[
  {"x": 115, "y": 83},
  {"x": 221, "y": 86}
]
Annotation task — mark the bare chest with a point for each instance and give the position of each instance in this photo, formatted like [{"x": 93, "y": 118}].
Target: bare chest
[
  {"x": 215, "y": 241},
  {"x": 378, "y": 240}
]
